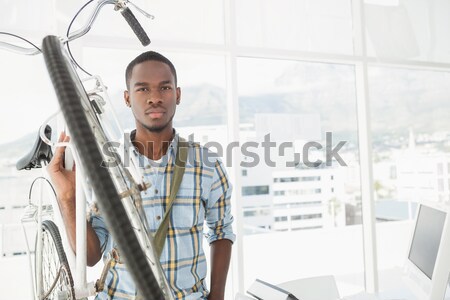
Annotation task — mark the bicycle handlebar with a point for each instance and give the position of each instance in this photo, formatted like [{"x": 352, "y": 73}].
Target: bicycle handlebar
[
  {"x": 19, "y": 49},
  {"x": 136, "y": 26},
  {"x": 119, "y": 5},
  {"x": 85, "y": 29}
]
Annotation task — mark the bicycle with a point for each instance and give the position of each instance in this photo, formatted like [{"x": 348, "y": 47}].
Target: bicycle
[
  {"x": 116, "y": 189},
  {"x": 52, "y": 271}
]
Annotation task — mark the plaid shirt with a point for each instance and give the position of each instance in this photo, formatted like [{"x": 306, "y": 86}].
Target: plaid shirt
[{"x": 204, "y": 194}]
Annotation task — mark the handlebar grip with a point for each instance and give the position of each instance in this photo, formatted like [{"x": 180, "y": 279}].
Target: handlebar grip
[{"x": 137, "y": 28}]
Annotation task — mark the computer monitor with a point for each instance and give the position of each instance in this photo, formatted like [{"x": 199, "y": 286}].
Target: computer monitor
[{"x": 428, "y": 261}]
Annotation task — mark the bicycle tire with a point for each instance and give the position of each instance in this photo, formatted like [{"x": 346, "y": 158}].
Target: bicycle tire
[
  {"x": 55, "y": 271},
  {"x": 74, "y": 104}
]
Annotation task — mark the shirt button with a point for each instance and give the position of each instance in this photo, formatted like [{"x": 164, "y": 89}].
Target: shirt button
[
  {"x": 156, "y": 191},
  {"x": 158, "y": 218}
]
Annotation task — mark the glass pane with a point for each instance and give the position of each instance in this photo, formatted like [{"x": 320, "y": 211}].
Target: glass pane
[
  {"x": 409, "y": 113},
  {"x": 201, "y": 78},
  {"x": 307, "y": 25},
  {"x": 415, "y": 30},
  {"x": 306, "y": 205},
  {"x": 26, "y": 15},
  {"x": 29, "y": 95},
  {"x": 202, "y": 113},
  {"x": 28, "y": 99}
]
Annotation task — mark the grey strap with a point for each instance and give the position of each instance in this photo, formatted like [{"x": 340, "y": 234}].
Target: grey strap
[{"x": 180, "y": 162}]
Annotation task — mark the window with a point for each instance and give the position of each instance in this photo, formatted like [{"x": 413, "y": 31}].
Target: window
[
  {"x": 323, "y": 97},
  {"x": 410, "y": 37},
  {"x": 308, "y": 25},
  {"x": 297, "y": 179},
  {"x": 250, "y": 213},
  {"x": 306, "y": 217},
  {"x": 393, "y": 172},
  {"x": 278, "y": 193},
  {"x": 298, "y": 204},
  {"x": 440, "y": 169},
  {"x": 28, "y": 16},
  {"x": 281, "y": 219},
  {"x": 411, "y": 144},
  {"x": 441, "y": 185},
  {"x": 31, "y": 70},
  {"x": 256, "y": 213},
  {"x": 298, "y": 192},
  {"x": 283, "y": 66},
  {"x": 255, "y": 190},
  {"x": 306, "y": 227}
]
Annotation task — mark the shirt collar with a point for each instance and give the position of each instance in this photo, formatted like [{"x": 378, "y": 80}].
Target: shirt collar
[{"x": 171, "y": 151}]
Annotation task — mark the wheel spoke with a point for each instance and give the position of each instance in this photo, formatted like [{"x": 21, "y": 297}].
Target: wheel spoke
[{"x": 55, "y": 273}]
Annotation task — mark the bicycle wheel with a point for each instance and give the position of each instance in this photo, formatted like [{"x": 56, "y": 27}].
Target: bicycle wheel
[
  {"x": 89, "y": 138},
  {"x": 55, "y": 275}
]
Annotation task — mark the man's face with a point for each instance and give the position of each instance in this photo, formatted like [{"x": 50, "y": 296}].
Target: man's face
[{"x": 152, "y": 95}]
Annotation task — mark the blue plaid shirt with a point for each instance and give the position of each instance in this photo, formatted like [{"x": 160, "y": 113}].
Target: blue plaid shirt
[{"x": 204, "y": 195}]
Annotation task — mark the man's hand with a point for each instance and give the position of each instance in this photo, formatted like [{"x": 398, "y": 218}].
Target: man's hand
[
  {"x": 62, "y": 179},
  {"x": 64, "y": 182}
]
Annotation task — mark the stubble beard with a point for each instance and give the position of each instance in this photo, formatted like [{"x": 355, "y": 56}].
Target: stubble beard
[{"x": 157, "y": 129}]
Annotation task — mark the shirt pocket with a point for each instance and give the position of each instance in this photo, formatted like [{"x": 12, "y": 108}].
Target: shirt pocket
[{"x": 188, "y": 209}]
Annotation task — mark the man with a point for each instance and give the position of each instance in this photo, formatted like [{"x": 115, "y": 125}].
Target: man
[{"x": 204, "y": 194}]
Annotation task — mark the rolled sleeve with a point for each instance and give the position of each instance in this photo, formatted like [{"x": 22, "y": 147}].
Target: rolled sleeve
[
  {"x": 99, "y": 226},
  {"x": 218, "y": 214}
]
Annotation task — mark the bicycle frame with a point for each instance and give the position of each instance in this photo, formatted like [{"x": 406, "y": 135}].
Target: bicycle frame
[
  {"x": 82, "y": 288},
  {"x": 128, "y": 191},
  {"x": 37, "y": 213},
  {"x": 30, "y": 215},
  {"x": 78, "y": 262}
]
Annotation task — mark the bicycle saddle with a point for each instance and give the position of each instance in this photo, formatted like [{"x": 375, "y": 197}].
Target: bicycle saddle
[{"x": 40, "y": 151}]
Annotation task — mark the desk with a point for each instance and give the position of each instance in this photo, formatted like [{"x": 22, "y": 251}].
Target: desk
[
  {"x": 314, "y": 288},
  {"x": 392, "y": 287},
  {"x": 399, "y": 295}
]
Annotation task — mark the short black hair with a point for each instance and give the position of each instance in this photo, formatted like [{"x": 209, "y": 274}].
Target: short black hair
[{"x": 148, "y": 56}]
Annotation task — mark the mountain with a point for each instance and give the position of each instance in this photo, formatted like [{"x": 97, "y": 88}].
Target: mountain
[
  {"x": 392, "y": 116},
  {"x": 200, "y": 105}
]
